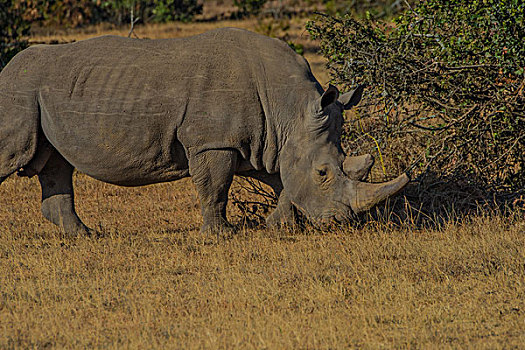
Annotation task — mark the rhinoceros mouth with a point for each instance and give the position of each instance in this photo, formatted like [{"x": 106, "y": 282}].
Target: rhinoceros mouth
[{"x": 341, "y": 215}]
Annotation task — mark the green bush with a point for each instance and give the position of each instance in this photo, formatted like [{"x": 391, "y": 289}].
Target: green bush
[
  {"x": 67, "y": 13},
  {"x": 75, "y": 13},
  {"x": 119, "y": 11},
  {"x": 377, "y": 8},
  {"x": 249, "y": 7},
  {"x": 176, "y": 10},
  {"x": 13, "y": 28},
  {"x": 446, "y": 91}
]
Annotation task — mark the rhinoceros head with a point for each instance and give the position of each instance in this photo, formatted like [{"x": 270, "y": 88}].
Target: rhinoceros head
[{"x": 313, "y": 167}]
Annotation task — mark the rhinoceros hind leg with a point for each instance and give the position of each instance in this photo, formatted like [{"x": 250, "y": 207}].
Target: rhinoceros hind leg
[
  {"x": 212, "y": 173},
  {"x": 57, "y": 196}
]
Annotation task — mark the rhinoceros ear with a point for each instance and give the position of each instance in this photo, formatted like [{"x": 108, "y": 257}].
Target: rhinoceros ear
[
  {"x": 330, "y": 96},
  {"x": 352, "y": 98}
]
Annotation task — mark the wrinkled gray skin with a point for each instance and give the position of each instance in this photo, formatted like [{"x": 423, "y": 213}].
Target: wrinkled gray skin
[{"x": 135, "y": 112}]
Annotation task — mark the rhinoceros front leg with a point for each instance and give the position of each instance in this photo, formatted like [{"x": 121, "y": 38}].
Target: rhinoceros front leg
[
  {"x": 212, "y": 173},
  {"x": 284, "y": 214},
  {"x": 57, "y": 195}
]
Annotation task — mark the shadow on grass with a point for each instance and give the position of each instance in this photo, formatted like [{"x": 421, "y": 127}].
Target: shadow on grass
[{"x": 431, "y": 203}]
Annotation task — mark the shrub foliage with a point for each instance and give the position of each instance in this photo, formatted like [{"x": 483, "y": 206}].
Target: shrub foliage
[
  {"x": 71, "y": 13},
  {"x": 376, "y": 8},
  {"x": 249, "y": 7},
  {"x": 75, "y": 13},
  {"x": 175, "y": 10},
  {"x": 13, "y": 28},
  {"x": 446, "y": 90}
]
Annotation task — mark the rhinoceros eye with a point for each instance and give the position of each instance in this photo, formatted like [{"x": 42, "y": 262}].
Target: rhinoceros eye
[
  {"x": 323, "y": 172},
  {"x": 323, "y": 176}
]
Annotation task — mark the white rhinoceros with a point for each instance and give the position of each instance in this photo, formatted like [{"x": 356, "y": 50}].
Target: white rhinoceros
[{"x": 134, "y": 112}]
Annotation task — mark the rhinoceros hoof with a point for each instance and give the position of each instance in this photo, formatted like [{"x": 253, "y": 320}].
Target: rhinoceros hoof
[
  {"x": 277, "y": 220},
  {"x": 80, "y": 231},
  {"x": 213, "y": 234},
  {"x": 223, "y": 229}
]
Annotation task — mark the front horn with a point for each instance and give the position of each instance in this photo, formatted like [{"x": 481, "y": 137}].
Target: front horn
[{"x": 365, "y": 195}]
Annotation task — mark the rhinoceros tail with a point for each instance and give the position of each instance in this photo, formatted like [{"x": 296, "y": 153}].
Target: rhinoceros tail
[{"x": 19, "y": 117}]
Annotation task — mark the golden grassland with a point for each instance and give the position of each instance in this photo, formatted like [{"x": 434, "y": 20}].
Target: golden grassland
[{"x": 151, "y": 280}]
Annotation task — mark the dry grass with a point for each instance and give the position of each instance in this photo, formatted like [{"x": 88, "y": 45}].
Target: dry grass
[{"x": 152, "y": 281}]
